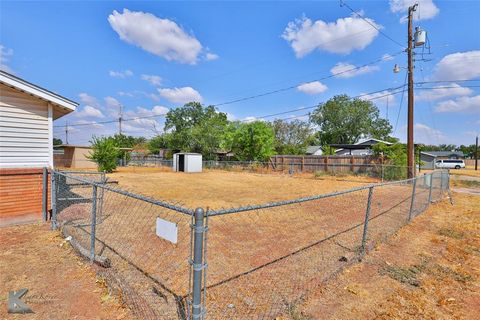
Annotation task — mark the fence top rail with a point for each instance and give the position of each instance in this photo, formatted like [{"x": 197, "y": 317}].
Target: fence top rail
[
  {"x": 163, "y": 204},
  {"x": 315, "y": 197},
  {"x": 81, "y": 172}
]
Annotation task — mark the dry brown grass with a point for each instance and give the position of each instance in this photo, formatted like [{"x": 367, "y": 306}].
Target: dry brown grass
[
  {"x": 466, "y": 172},
  {"x": 216, "y": 188},
  {"x": 61, "y": 285},
  {"x": 429, "y": 270}
]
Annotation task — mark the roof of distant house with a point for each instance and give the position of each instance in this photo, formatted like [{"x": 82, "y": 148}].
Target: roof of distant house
[
  {"x": 313, "y": 149},
  {"x": 71, "y": 146},
  {"x": 360, "y": 145},
  {"x": 444, "y": 153}
]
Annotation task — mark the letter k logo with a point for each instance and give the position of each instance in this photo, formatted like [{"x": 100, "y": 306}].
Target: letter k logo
[{"x": 15, "y": 305}]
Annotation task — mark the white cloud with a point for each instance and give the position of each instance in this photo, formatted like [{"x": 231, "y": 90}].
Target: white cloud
[
  {"x": 387, "y": 57},
  {"x": 211, "y": 56},
  {"x": 442, "y": 92},
  {"x": 120, "y": 74},
  {"x": 458, "y": 66},
  {"x": 342, "y": 36},
  {"x": 460, "y": 105},
  {"x": 180, "y": 95},
  {"x": 251, "y": 119},
  {"x": 162, "y": 37},
  {"x": 153, "y": 79},
  {"x": 314, "y": 87},
  {"x": 428, "y": 135},
  {"x": 4, "y": 58},
  {"x": 126, "y": 94},
  {"x": 231, "y": 116},
  {"x": 112, "y": 106},
  {"x": 144, "y": 112},
  {"x": 91, "y": 124},
  {"x": 90, "y": 112},
  {"x": 380, "y": 98},
  {"x": 88, "y": 99},
  {"x": 347, "y": 70},
  {"x": 426, "y": 9}
]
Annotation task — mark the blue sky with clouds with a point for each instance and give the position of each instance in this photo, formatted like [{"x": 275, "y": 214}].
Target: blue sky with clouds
[{"x": 149, "y": 57}]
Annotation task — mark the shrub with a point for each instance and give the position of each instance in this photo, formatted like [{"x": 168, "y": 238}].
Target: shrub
[{"x": 104, "y": 153}]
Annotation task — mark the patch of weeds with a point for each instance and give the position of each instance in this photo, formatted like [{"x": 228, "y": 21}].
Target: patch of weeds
[
  {"x": 468, "y": 183},
  {"x": 473, "y": 250},
  {"x": 294, "y": 314},
  {"x": 445, "y": 272},
  {"x": 333, "y": 173},
  {"x": 451, "y": 233},
  {"x": 405, "y": 275}
]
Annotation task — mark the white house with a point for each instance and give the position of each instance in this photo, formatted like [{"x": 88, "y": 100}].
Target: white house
[{"x": 27, "y": 112}]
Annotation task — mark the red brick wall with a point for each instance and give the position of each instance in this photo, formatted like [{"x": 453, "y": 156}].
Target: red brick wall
[{"x": 21, "y": 192}]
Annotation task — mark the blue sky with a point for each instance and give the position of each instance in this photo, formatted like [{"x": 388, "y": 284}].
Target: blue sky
[{"x": 153, "y": 56}]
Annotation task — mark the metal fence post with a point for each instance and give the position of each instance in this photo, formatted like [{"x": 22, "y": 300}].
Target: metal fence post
[
  {"x": 365, "y": 224},
  {"x": 198, "y": 265},
  {"x": 412, "y": 203},
  {"x": 430, "y": 191},
  {"x": 44, "y": 194},
  {"x": 54, "y": 200},
  {"x": 94, "y": 222},
  {"x": 448, "y": 188}
]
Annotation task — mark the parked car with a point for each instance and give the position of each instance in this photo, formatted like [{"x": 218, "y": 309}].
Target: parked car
[{"x": 449, "y": 164}]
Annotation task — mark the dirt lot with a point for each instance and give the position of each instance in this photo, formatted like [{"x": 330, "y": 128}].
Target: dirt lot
[
  {"x": 61, "y": 285},
  {"x": 243, "y": 282},
  {"x": 429, "y": 270},
  {"x": 259, "y": 261},
  {"x": 217, "y": 189}
]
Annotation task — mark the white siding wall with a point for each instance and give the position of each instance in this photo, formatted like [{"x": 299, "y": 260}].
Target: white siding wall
[{"x": 24, "y": 130}]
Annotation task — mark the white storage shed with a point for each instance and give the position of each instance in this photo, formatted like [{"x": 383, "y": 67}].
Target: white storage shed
[{"x": 187, "y": 162}]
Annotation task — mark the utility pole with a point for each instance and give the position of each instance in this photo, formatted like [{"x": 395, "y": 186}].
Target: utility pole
[
  {"x": 410, "y": 146},
  {"x": 476, "y": 153},
  {"x": 66, "y": 132},
  {"x": 120, "y": 120}
]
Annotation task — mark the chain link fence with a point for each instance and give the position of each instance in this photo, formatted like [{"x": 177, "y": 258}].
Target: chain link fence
[
  {"x": 384, "y": 172},
  {"x": 262, "y": 260}
]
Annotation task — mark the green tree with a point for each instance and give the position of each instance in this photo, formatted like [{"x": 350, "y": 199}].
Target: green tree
[
  {"x": 105, "y": 153},
  {"x": 292, "y": 137},
  {"x": 345, "y": 120},
  {"x": 159, "y": 142},
  {"x": 395, "y": 156},
  {"x": 124, "y": 141},
  {"x": 253, "y": 141},
  {"x": 195, "y": 128},
  {"x": 57, "y": 142}
]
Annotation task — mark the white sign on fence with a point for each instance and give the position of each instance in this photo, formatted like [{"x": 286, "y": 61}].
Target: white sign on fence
[{"x": 167, "y": 230}]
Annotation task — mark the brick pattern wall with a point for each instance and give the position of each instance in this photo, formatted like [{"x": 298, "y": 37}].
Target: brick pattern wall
[{"x": 21, "y": 192}]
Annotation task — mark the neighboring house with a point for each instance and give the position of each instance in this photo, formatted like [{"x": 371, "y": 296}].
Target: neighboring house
[
  {"x": 73, "y": 156},
  {"x": 314, "y": 151},
  {"x": 428, "y": 158},
  {"x": 27, "y": 112},
  {"x": 361, "y": 148}
]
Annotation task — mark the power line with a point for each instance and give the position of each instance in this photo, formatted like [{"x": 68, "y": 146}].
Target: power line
[
  {"x": 392, "y": 91},
  {"x": 444, "y": 87},
  {"x": 296, "y": 85},
  {"x": 344, "y": 4},
  {"x": 401, "y": 102},
  {"x": 110, "y": 121}
]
